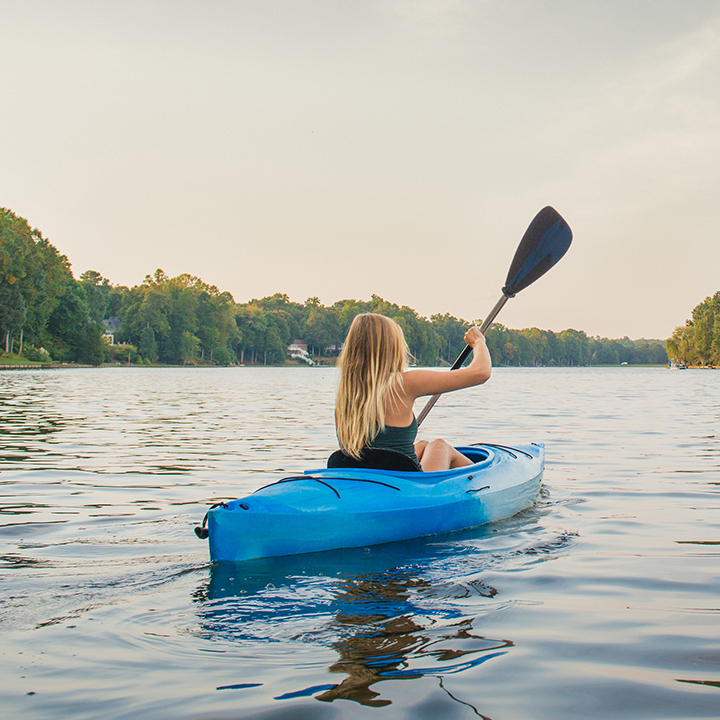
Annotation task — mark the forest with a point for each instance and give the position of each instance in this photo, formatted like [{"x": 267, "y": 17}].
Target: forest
[
  {"x": 698, "y": 341},
  {"x": 47, "y": 314}
]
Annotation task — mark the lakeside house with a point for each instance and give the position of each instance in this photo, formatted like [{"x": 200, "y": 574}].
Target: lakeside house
[
  {"x": 112, "y": 325},
  {"x": 298, "y": 351}
]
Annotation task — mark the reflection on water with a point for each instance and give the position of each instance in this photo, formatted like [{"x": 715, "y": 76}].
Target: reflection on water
[
  {"x": 601, "y": 601},
  {"x": 370, "y": 621},
  {"x": 389, "y": 612},
  {"x": 125, "y": 420},
  {"x": 27, "y": 419}
]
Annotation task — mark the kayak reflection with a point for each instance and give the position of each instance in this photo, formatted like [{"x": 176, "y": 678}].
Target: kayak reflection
[
  {"x": 376, "y": 647},
  {"x": 378, "y": 608}
]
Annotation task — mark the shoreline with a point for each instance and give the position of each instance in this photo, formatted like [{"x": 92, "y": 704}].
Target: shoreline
[{"x": 74, "y": 366}]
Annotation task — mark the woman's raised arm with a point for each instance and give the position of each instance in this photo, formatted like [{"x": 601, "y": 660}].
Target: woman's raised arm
[{"x": 433, "y": 382}]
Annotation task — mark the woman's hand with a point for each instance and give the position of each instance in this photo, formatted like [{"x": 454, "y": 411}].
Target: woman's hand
[{"x": 473, "y": 336}]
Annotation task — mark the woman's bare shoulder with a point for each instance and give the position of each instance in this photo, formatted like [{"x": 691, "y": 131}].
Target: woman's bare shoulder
[{"x": 417, "y": 382}]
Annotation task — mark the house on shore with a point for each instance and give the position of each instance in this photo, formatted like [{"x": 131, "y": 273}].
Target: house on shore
[
  {"x": 112, "y": 325},
  {"x": 298, "y": 351}
]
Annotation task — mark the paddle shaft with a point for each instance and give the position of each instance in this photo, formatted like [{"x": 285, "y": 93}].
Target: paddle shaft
[{"x": 465, "y": 353}]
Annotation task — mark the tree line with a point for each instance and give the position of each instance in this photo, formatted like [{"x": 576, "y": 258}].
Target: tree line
[
  {"x": 267, "y": 326},
  {"x": 46, "y": 312},
  {"x": 698, "y": 341}
]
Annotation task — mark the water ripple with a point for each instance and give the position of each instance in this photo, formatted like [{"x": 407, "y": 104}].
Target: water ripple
[{"x": 600, "y": 601}]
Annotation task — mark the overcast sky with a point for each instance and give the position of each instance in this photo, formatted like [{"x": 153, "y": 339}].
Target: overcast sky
[{"x": 341, "y": 148}]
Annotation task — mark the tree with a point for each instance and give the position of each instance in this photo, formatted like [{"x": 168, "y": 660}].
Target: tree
[
  {"x": 32, "y": 279},
  {"x": 606, "y": 355},
  {"x": 698, "y": 341},
  {"x": 147, "y": 345},
  {"x": 13, "y": 312},
  {"x": 97, "y": 289},
  {"x": 217, "y": 330},
  {"x": 252, "y": 326},
  {"x": 188, "y": 347},
  {"x": 319, "y": 328},
  {"x": 157, "y": 314},
  {"x": 74, "y": 336},
  {"x": 575, "y": 347}
]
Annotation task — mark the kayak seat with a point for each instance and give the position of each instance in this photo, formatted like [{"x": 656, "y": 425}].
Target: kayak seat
[{"x": 374, "y": 459}]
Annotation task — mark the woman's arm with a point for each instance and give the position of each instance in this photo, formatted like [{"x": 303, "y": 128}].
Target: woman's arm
[{"x": 417, "y": 383}]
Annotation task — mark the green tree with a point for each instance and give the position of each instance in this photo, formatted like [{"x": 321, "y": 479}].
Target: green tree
[
  {"x": 97, "y": 289},
  {"x": 217, "y": 329},
  {"x": 189, "y": 347},
  {"x": 147, "y": 345},
  {"x": 74, "y": 336},
  {"x": 13, "y": 312},
  {"x": 157, "y": 314},
  {"x": 575, "y": 346},
  {"x": 715, "y": 347},
  {"x": 321, "y": 326},
  {"x": 449, "y": 332},
  {"x": 32, "y": 279},
  {"x": 698, "y": 341},
  {"x": 146, "y": 308},
  {"x": 606, "y": 354}
]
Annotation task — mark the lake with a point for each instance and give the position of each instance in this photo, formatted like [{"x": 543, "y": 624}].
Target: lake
[{"x": 601, "y": 601}]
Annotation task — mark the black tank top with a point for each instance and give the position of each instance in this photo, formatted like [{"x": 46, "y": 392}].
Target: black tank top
[{"x": 400, "y": 439}]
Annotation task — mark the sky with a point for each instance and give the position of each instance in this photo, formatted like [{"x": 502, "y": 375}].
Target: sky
[{"x": 344, "y": 148}]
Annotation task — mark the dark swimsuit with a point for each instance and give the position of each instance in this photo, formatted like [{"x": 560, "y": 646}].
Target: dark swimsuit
[{"x": 400, "y": 439}]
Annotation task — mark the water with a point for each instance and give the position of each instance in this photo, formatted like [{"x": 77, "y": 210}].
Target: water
[{"x": 601, "y": 601}]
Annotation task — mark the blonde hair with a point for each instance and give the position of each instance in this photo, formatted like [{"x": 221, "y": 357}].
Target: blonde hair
[{"x": 371, "y": 363}]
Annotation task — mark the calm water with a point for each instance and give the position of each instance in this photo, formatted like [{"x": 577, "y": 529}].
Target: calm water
[{"x": 603, "y": 601}]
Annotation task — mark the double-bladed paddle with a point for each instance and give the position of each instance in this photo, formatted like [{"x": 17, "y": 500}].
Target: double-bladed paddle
[{"x": 546, "y": 240}]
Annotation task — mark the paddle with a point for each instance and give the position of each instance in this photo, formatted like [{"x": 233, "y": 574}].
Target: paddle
[{"x": 546, "y": 240}]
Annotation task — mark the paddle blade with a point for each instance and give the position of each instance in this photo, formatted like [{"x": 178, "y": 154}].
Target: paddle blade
[{"x": 546, "y": 240}]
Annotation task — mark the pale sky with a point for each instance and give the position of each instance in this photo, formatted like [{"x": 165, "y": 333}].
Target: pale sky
[{"x": 341, "y": 148}]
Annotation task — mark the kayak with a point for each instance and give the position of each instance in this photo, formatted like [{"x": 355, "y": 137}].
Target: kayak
[{"x": 333, "y": 508}]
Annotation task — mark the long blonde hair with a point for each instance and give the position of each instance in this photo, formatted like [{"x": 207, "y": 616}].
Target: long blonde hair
[{"x": 371, "y": 363}]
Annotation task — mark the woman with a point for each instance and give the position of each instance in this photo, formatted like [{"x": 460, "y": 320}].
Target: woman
[{"x": 374, "y": 403}]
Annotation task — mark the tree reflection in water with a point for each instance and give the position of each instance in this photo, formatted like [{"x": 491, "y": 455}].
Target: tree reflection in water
[
  {"x": 385, "y": 623},
  {"x": 29, "y": 420}
]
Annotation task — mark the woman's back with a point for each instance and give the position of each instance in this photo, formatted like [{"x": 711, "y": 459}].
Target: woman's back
[{"x": 376, "y": 393}]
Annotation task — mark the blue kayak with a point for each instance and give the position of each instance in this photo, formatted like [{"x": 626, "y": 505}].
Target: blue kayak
[{"x": 328, "y": 509}]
